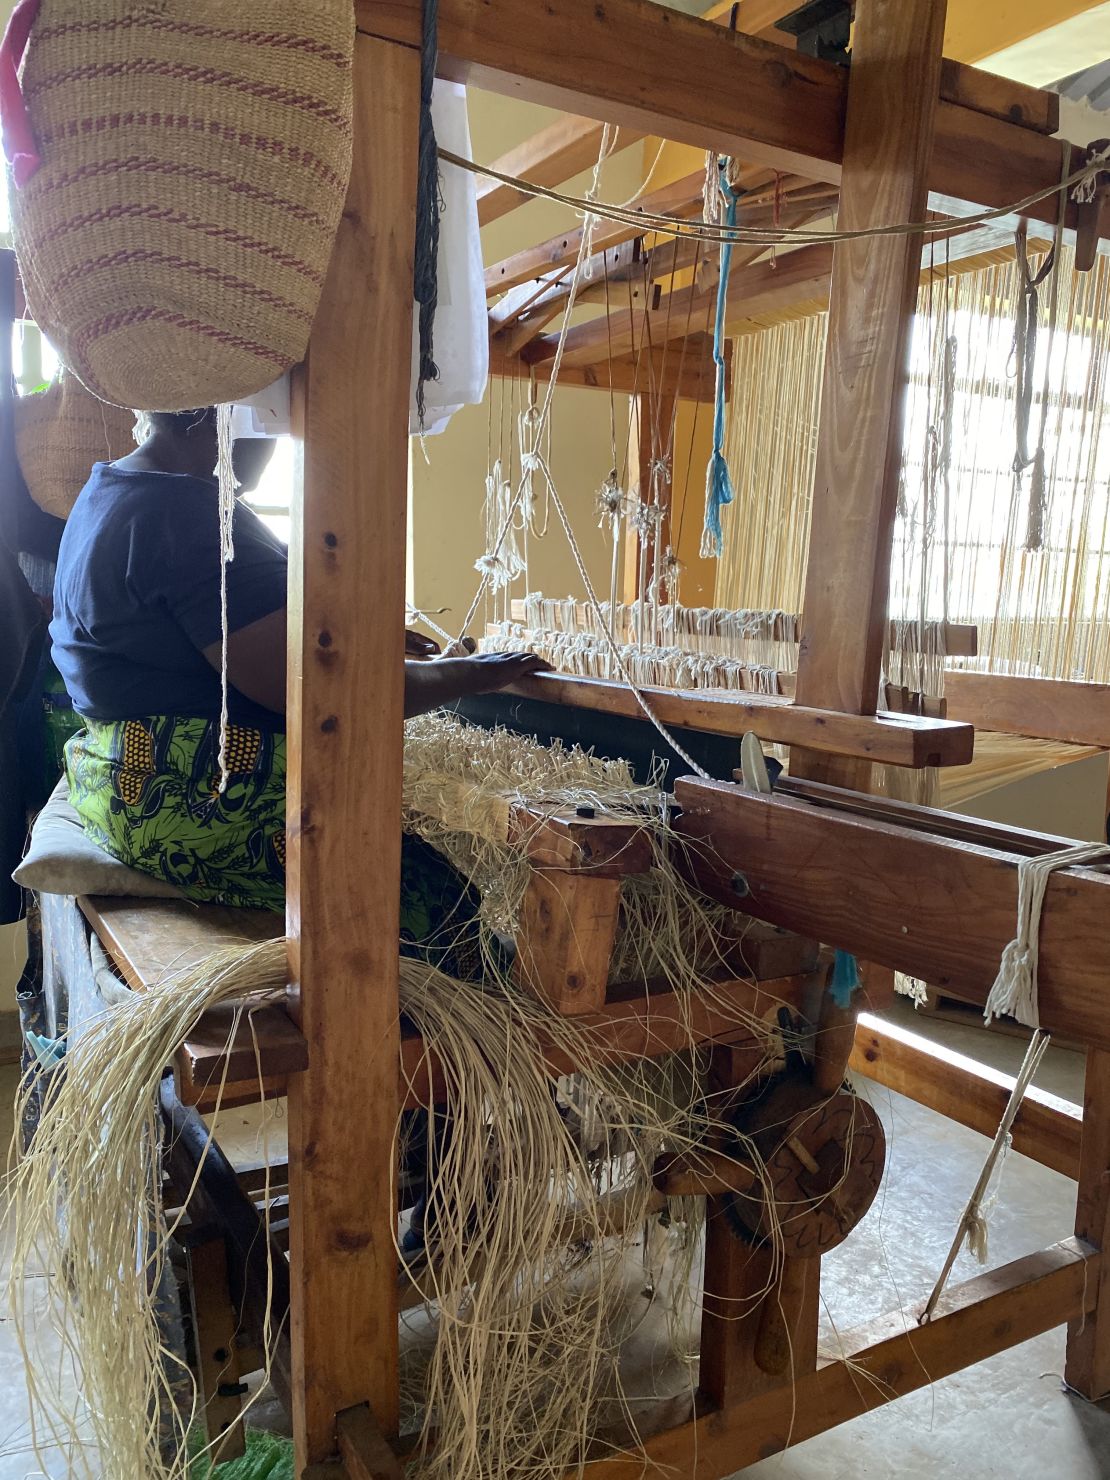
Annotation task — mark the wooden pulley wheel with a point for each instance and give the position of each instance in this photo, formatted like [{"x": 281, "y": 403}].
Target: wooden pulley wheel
[{"x": 823, "y": 1162}]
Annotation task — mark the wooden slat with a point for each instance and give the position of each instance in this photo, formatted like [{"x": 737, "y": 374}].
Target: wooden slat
[
  {"x": 563, "y": 149},
  {"x": 1043, "y": 708},
  {"x": 999, "y": 97},
  {"x": 735, "y": 93},
  {"x": 681, "y": 197},
  {"x": 266, "y": 1041},
  {"x": 968, "y": 1092},
  {"x": 1087, "y": 1368},
  {"x": 347, "y": 577},
  {"x": 148, "y": 938},
  {"x": 939, "y": 909},
  {"x": 892, "y": 739},
  {"x": 895, "y": 77},
  {"x": 755, "y": 288},
  {"x": 889, "y": 1357},
  {"x": 687, "y": 372}
]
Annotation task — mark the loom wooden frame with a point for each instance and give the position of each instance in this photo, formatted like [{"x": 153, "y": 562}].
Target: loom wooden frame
[{"x": 765, "y": 104}]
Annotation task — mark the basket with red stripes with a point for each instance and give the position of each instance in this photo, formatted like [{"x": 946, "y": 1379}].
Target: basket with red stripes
[{"x": 178, "y": 172}]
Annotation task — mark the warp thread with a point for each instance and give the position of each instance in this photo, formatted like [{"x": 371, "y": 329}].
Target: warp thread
[
  {"x": 426, "y": 257},
  {"x": 718, "y": 483}
]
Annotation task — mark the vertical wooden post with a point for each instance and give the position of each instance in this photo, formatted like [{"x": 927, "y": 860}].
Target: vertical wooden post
[
  {"x": 1087, "y": 1368},
  {"x": 888, "y": 137},
  {"x": 346, "y": 683}
]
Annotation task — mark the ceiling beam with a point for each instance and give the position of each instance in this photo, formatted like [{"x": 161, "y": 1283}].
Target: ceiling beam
[{"x": 556, "y": 153}]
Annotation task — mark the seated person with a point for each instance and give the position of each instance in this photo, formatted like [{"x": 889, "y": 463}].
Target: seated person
[{"x": 136, "y": 636}]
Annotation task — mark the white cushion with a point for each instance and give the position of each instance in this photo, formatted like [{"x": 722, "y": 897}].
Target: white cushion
[{"x": 61, "y": 859}]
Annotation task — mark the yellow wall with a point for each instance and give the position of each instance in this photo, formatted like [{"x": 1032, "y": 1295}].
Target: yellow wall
[{"x": 447, "y": 526}]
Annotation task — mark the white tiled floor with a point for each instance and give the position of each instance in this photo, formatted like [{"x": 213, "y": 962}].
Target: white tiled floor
[{"x": 1007, "y": 1417}]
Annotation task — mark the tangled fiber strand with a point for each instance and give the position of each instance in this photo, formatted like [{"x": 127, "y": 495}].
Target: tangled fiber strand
[
  {"x": 461, "y": 783},
  {"x": 536, "y": 1205},
  {"x": 86, "y": 1207}
]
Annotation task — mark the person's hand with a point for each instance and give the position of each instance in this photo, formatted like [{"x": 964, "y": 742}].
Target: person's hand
[
  {"x": 419, "y": 646},
  {"x": 488, "y": 672},
  {"x": 431, "y": 685}
]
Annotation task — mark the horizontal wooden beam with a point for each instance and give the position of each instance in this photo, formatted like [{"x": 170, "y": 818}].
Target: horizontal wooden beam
[
  {"x": 666, "y": 370},
  {"x": 727, "y": 91},
  {"x": 1046, "y": 1130},
  {"x": 681, "y": 198},
  {"x": 1042, "y": 708},
  {"x": 563, "y": 149},
  {"x": 876, "y": 1363},
  {"x": 939, "y": 908},
  {"x": 888, "y": 739},
  {"x": 640, "y": 1020}
]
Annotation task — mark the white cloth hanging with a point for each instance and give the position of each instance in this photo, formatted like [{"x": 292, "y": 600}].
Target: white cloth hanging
[
  {"x": 265, "y": 414},
  {"x": 461, "y": 342}
]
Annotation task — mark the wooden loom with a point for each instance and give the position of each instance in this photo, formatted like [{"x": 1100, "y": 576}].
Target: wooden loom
[{"x": 944, "y": 130}]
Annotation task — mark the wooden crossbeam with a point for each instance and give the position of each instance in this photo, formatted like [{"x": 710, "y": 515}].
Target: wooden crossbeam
[
  {"x": 1047, "y": 1129},
  {"x": 563, "y": 149},
  {"x": 940, "y": 908},
  {"x": 1042, "y": 708},
  {"x": 670, "y": 369},
  {"x": 681, "y": 198},
  {"x": 876, "y": 1363},
  {"x": 743, "y": 96},
  {"x": 889, "y": 739}
]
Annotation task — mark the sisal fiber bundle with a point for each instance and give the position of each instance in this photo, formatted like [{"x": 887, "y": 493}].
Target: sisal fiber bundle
[
  {"x": 59, "y": 433},
  {"x": 538, "y": 1195},
  {"x": 179, "y": 186}
]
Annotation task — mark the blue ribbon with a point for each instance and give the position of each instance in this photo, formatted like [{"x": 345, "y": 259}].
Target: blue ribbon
[
  {"x": 47, "y": 1051},
  {"x": 718, "y": 483},
  {"x": 845, "y": 979}
]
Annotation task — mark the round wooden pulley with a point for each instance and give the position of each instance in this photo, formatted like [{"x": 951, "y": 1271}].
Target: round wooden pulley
[{"x": 822, "y": 1164}]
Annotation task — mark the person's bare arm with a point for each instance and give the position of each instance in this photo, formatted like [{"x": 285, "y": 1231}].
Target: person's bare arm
[
  {"x": 256, "y": 660},
  {"x": 256, "y": 668}
]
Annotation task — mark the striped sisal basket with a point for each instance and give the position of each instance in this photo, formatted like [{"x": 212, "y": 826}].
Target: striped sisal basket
[
  {"x": 178, "y": 194},
  {"x": 59, "y": 433}
]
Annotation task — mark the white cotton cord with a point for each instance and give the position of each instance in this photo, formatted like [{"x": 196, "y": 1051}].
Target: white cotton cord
[
  {"x": 414, "y": 614},
  {"x": 225, "y": 473},
  {"x": 973, "y": 1222},
  {"x": 1015, "y": 987}
]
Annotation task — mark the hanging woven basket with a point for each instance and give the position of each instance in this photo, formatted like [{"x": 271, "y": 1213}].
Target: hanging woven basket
[
  {"x": 59, "y": 433},
  {"x": 178, "y": 172}
]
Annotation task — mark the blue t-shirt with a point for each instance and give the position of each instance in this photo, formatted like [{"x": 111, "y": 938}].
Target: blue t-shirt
[{"x": 137, "y": 596}]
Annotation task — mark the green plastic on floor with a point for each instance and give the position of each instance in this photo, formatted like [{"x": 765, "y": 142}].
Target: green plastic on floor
[{"x": 268, "y": 1457}]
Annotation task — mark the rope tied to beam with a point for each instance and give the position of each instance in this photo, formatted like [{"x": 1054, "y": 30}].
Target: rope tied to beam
[
  {"x": 1015, "y": 987},
  {"x": 1014, "y": 992}
]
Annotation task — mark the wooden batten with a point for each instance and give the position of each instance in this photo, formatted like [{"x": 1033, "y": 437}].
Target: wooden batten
[
  {"x": 889, "y": 739},
  {"x": 1042, "y": 708}
]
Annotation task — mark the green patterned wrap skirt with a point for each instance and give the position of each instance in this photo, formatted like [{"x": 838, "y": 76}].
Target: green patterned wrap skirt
[{"x": 147, "y": 791}]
